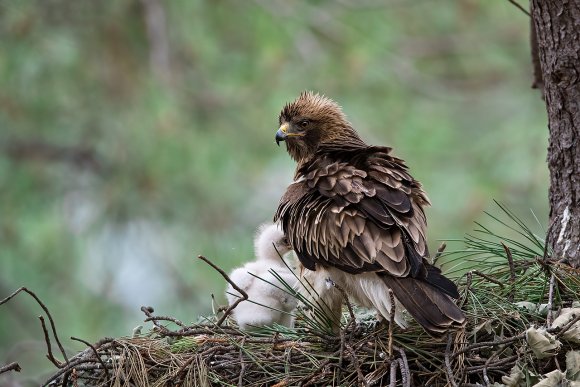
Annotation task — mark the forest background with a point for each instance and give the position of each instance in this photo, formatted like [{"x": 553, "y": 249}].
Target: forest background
[{"x": 135, "y": 135}]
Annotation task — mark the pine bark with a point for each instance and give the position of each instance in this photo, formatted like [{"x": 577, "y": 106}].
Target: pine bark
[{"x": 557, "y": 28}]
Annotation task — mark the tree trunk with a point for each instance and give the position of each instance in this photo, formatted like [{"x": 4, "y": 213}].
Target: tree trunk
[{"x": 557, "y": 25}]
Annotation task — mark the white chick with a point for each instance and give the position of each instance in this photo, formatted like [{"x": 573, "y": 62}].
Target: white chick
[{"x": 275, "y": 305}]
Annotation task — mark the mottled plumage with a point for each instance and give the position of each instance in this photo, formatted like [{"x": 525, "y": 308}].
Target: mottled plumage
[{"x": 354, "y": 209}]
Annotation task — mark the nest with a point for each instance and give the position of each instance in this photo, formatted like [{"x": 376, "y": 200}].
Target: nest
[{"x": 515, "y": 336}]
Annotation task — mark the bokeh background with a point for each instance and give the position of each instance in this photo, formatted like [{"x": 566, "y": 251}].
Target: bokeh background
[{"x": 135, "y": 135}]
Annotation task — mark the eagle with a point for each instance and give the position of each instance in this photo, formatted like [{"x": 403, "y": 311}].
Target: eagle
[{"x": 355, "y": 215}]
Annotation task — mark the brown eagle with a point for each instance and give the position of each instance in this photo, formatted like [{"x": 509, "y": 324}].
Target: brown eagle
[{"x": 355, "y": 215}]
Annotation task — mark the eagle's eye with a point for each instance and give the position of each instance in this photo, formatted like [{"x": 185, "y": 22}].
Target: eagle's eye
[{"x": 303, "y": 124}]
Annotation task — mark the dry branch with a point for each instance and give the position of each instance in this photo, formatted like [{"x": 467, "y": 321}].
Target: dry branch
[
  {"x": 360, "y": 355},
  {"x": 227, "y": 278},
  {"x": 52, "y": 325},
  {"x": 10, "y": 367}
]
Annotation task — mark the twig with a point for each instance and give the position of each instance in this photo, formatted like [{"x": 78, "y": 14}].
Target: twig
[
  {"x": 53, "y": 327},
  {"x": 504, "y": 361},
  {"x": 473, "y": 346},
  {"x": 439, "y": 252},
  {"x": 459, "y": 342},
  {"x": 341, "y": 354},
  {"x": 10, "y": 367},
  {"x": 490, "y": 279},
  {"x": 184, "y": 331},
  {"x": 450, "y": 377},
  {"x": 148, "y": 312},
  {"x": 308, "y": 379},
  {"x": 96, "y": 354},
  {"x": 393, "y": 375},
  {"x": 391, "y": 323},
  {"x": 510, "y": 259},
  {"x": 66, "y": 370},
  {"x": 404, "y": 365},
  {"x": 75, "y": 377},
  {"x": 468, "y": 281},
  {"x": 359, "y": 374},
  {"x": 49, "y": 355},
  {"x": 166, "y": 318},
  {"x": 432, "y": 378},
  {"x": 561, "y": 331},
  {"x": 274, "y": 341},
  {"x": 520, "y": 7},
  {"x": 404, "y": 373},
  {"x": 488, "y": 362},
  {"x": 183, "y": 369},
  {"x": 242, "y": 363},
  {"x": 236, "y": 287},
  {"x": 557, "y": 364},
  {"x": 422, "y": 367},
  {"x": 65, "y": 377},
  {"x": 550, "y": 300}
]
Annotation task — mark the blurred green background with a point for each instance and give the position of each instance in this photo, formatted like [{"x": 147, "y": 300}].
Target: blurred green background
[{"x": 135, "y": 135}]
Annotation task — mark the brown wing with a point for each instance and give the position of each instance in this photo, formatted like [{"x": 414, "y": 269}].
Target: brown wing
[{"x": 361, "y": 216}]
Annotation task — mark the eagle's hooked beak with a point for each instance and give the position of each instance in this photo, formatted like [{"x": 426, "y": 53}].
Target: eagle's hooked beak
[{"x": 282, "y": 134}]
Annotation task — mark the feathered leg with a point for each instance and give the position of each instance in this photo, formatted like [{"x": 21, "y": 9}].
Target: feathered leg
[{"x": 325, "y": 301}]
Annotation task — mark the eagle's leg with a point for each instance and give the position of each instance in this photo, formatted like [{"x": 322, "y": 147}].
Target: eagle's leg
[
  {"x": 324, "y": 300},
  {"x": 331, "y": 305}
]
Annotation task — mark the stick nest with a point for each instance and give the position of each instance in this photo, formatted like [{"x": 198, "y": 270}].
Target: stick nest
[
  {"x": 513, "y": 289},
  {"x": 493, "y": 342}
]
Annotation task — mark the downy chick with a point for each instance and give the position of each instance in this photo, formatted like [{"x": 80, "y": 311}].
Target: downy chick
[{"x": 266, "y": 304}]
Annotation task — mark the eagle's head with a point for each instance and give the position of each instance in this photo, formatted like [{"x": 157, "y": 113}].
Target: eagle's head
[{"x": 311, "y": 120}]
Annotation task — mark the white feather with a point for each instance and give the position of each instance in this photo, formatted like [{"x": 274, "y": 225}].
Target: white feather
[
  {"x": 367, "y": 290},
  {"x": 268, "y": 301}
]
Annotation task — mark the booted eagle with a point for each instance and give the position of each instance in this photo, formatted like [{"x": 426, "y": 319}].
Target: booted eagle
[{"x": 355, "y": 214}]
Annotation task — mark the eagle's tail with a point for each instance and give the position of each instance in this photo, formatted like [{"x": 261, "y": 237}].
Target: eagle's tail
[{"x": 433, "y": 309}]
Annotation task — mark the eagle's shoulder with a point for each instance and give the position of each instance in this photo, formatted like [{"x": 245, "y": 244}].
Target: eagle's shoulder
[
  {"x": 295, "y": 193},
  {"x": 372, "y": 166},
  {"x": 357, "y": 208}
]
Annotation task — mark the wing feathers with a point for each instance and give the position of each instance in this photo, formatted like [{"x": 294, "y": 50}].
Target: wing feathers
[
  {"x": 438, "y": 280},
  {"x": 391, "y": 266},
  {"x": 436, "y": 312},
  {"x": 369, "y": 244},
  {"x": 375, "y": 210},
  {"x": 392, "y": 238},
  {"x": 343, "y": 187},
  {"x": 394, "y": 198},
  {"x": 360, "y": 211},
  {"x": 366, "y": 215}
]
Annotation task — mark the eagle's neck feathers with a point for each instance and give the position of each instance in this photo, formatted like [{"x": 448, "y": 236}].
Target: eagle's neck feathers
[{"x": 345, "y": 139}]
